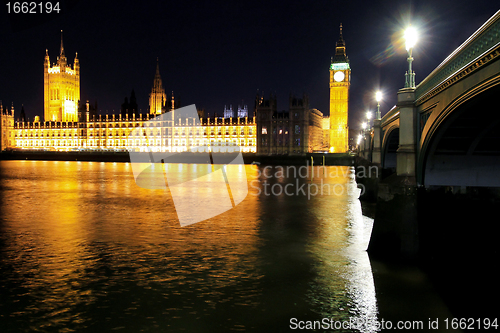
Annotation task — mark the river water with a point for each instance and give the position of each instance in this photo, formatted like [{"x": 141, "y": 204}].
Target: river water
[{"x": 84, "y": 249}]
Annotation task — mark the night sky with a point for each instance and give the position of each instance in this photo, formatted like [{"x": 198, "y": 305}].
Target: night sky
[{"x": 216, "y": 53}]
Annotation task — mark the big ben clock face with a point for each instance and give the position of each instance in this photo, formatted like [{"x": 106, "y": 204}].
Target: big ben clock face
[{"x": 338, "y": 76}]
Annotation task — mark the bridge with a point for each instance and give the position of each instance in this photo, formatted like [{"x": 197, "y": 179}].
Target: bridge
[{"x": 444, "y": 132}]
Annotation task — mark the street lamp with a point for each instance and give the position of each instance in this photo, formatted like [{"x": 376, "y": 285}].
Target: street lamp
[
  {"x": 410, "y": 36},
  {"x": 378, "y": 98}
]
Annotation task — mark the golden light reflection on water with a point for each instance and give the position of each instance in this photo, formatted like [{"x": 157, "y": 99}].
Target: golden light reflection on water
[
  {"x": 343, "y": 288},
  {"x": 86, "y": 247}
]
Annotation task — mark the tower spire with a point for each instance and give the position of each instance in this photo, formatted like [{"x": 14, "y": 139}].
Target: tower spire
[
  {"x": 157, "y": 98},
  {"x": 341, "y": 43},
  {"x": 62, "y": 47},
  {"x": 340, "y": 55}
]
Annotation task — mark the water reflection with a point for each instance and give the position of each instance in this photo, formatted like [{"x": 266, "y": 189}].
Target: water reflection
[
  {"x": 332, "y": 244},
  {"x": 83, "y": 248}
]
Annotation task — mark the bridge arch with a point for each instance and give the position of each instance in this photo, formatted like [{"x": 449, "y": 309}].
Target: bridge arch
[
  {"x": 462, "y": 147},
  {"x": 390, "y": 144}
]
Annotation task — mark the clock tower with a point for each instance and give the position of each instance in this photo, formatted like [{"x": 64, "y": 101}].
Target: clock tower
[{"x": 340, "y": 79}]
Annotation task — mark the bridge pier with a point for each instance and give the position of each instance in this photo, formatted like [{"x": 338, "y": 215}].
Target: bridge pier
[
  {"x": 377, "y": 142},
  {"x": 406, "y": 155},
  {"x": 366, "y": 142},
  {"x": 395, "y": 230},
  {"x": 395, "y": 233}
]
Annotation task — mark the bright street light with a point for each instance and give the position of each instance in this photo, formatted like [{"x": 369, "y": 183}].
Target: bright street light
[{"x": 411, "y": 38}]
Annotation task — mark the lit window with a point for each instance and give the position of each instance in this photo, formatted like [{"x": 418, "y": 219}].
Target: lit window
[{"x": 264, "y": 130}]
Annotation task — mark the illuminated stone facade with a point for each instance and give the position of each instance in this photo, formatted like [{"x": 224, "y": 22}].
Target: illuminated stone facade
[
  {"x": 340, "y": 78},
  {"x": 111, "y": 132},
  {"x": 79, "y": 127},
  {"x": 6, "y": 126},
  {"x": 315, "y": 142},
  {"x": 326, "y": 133},
  {"x": 61, "y": 88}
]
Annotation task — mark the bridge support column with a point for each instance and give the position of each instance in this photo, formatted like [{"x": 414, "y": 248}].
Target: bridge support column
[
  {"x": 406, "y": 153},
  {"x": 363, "y": 147},
  {"x": 377, "y": 143},
  {"x": 395, "y": 230},
  {"x": 368, "y": 139}
]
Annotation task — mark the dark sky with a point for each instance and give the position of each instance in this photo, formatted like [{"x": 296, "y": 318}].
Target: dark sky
[{"x": 213, "y": 53}]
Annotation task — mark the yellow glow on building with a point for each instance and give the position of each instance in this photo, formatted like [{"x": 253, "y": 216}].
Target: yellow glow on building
[
  {"x": 68, "y": 126},
  {"x": 340, "y": 77},
  {"x": 157, "y": 98},
  {"x": 54, "y": 70},
  {"x": 112, "y": 133},
  {"x": 6, "y": 126},
  {"x": 61, "y": 88}
]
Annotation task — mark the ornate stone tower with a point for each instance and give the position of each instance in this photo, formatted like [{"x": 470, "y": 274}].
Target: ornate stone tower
[
  {"x": 61, "y": 88},
  {"x": 228, "y": 113},
  {"x": 242, "y": 112},
  {"x": 157, "y": 98},
  {"x": 6, "y": 127},
  {"x": 340, "y": 79}
]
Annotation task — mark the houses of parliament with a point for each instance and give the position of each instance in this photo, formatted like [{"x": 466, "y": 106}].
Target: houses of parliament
[{"x": 71, "y": 124}]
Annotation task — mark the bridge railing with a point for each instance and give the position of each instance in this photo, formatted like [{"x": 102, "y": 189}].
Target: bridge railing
[
  {"x": 486, "y": 38},
  {"x": 390, "y": 116}
]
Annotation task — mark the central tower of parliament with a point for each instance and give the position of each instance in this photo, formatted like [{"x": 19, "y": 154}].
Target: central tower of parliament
[{"x": 61, "y": 88}]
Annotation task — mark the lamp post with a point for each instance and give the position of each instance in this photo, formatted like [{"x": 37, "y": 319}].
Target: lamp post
[
  {"x": 410, "y": 36},
  {"x": 378, "y": 98},
  {"x": 369, "y": 117}
]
